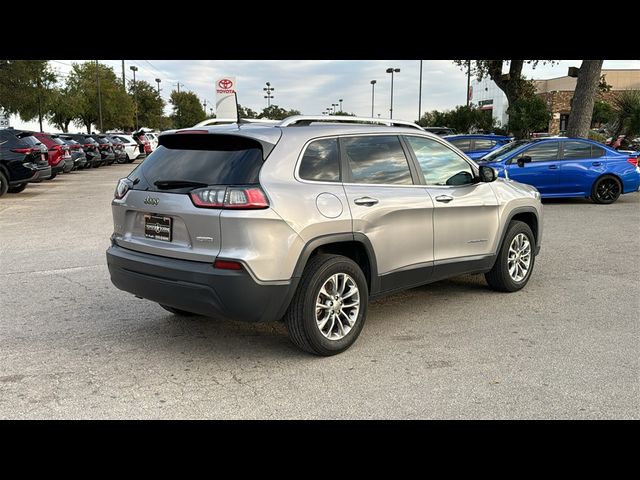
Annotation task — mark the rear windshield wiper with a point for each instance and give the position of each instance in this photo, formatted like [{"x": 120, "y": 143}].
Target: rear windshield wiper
[{"x": 169, "y": 184}]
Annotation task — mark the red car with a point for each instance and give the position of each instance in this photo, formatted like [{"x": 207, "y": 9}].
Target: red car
[{"x": 59, "y": 153}]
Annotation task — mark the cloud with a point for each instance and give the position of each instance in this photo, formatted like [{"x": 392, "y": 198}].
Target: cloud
[{"x": 313, "y": 85}]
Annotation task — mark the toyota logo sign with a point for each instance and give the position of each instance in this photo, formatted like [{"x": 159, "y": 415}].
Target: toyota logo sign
[{"x": 225, "y": 84}]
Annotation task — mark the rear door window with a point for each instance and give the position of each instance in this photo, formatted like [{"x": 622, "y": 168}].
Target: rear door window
[
  {"x": 202, "y": 158},
  {"x": 376, "y": 160},
  {"x": 462, "y": 143},
  {"x": 576, "y": 150},
  {"x": 481, "y": 144}
]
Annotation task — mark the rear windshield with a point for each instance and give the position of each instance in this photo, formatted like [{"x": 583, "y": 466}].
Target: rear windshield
[
  {"x": 30, "y": 140},
  {"x": 57, "y": 140},
  {"x": 202, "y": 158}
]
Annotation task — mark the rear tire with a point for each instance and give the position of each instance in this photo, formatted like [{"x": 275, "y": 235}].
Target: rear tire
[
  {"x": 17, "y": 188},
  {"x": 177, "y": 311},
  {"x": 326, "y": 318},
  {"x": 515, "y": 261},
  {"x": 53, "y": 175},
  {"x": 4, "y": 184},
  {"x": 606, "y": 190}
]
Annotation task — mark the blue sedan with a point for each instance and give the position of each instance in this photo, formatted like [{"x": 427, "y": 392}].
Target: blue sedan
[
  {"x": 476, "y": 146},
  {"x": 568, "y": 167}
]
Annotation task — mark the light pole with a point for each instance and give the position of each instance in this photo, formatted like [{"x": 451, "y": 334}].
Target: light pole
[
  {"x": 420, "y": 94},
  {"x": 134, "y": 69},
  {"x": 373, "y": 94},
  {"x": 392, "y": 70},
  {"x": 340, "y": 104},
  {"x": 158, "y": 82},
  {"x": 468, "y": 80},
  {"x": 99, "y": 94},
  {"x": 334, "y": 105},
  {"x": 268, "y": 96}
]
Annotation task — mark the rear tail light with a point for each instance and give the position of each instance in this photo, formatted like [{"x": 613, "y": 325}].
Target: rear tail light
[
  {"x": 227, "y": 265},
  {"x": 633, "y": 161},
  {"x": 239, "y": 198},
  {"x": 22, "y": 150},
  {"x": 88, "y": 145},
  {"x": 124, "y": 185}
]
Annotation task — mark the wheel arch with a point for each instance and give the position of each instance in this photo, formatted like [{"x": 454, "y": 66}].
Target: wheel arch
[
  {"x": 528, "y": 215},
  {"x": 607, "y": 174},
  {"x": 355, "y": 246}
]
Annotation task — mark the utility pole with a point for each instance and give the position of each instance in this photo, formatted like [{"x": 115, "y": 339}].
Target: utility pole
[
  {"x": 468, "y": 80},
  {"x": 134, "y": 69},
  {"x": 40, "y": 103},
  {"x": 373, "y": 94},
  {"x": 341, "y": 105},
  {"x": 99, "y": 95},
  {"x": 392, "y": 70},
  {"x": 178, "y": 84},
  {"x": 205, "y": 106},
  {"x": 124, "y": 85},
  {"x": 158, "y": 82},
  {"x": 420, "y": 94}
]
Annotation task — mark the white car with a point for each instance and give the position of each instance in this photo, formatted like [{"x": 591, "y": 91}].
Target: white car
[
  {"x": 153, "y": 139},
  {"x": 133, "y": 149}
]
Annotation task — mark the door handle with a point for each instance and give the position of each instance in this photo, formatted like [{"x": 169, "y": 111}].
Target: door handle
[
  {"x": 366, "y": 201},
  {"x": 553, "y": 167},
  {"x": 444, "y": 198},
  {"x": 596, "y": 164}
]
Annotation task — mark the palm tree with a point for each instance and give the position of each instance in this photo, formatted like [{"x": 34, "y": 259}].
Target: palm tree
[{"x": 627, "y": 115}]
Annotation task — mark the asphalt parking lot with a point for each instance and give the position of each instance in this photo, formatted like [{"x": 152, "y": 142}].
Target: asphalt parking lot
[{"x": 73, "y": 346}]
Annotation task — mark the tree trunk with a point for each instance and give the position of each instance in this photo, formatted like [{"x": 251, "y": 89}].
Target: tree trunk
[{"x": 584, "y": 98}]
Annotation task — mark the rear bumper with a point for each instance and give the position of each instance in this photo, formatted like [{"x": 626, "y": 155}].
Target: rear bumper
[
  {"x": 42, "y": 174},
  {"x": 195, "y": 286}
]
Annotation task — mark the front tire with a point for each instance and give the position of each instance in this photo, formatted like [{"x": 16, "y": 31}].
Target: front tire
[
  {"x": 17, "y": 188},
  {"x": 4, "y": 184},
  {"x": 515, "y": 261},
  {"x": 329, "y": 308},
  {"x": 606, "y": 190}
]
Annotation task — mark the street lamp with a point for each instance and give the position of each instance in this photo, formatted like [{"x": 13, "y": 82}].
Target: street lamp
[
  {"x": 392, "y": 70},
  {"x": 134, "y": 69},
  {"x": 334, "y": 105},
  {"x": 158, "y": 82},
  {"x": 268, "y": 96},
  {"x": 340, "y": 104},
  {"x": 373, "y": 93}
]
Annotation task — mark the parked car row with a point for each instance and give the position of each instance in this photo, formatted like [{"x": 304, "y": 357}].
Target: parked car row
[{"x": 31, "y": 157}]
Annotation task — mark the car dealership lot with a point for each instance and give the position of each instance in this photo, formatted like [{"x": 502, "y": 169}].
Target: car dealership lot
[{"x": 73, "y": 346}]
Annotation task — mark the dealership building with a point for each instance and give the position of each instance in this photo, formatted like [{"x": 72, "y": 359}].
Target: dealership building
[{"x": 556, "y": 92}]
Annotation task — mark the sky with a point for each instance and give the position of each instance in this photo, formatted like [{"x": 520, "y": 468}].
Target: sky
[{"x": 311, "y": 86}]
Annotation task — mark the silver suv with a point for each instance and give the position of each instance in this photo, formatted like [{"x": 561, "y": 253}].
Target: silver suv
[{"x": 308, "y": 219}]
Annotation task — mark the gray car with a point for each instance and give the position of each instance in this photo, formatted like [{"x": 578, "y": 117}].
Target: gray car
[{"x": 308, "y": 219}]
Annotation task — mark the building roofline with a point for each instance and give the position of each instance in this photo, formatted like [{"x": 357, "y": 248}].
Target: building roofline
[{"x": 603, "y": 71}]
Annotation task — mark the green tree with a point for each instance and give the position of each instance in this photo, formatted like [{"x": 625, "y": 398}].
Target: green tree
[
  {"x": 528, "y": 114},
  {"x": 64, "y": 107},
  {"x": 513, "y": 84},
  {"x": 338, "y": 113},
  {"x": 150, "y": 104},
  {"x": 246, "y": 112},
  {"x": 187, "y": 109},
  {"x": 627, "y": 113},
  {"x": 603, "y": 113},
  {"x": 434, "y": 118},
  {"x": 274, "y": 112},
  {"x": 116, "y": 104},
  {"x": 26, "y": 87}
]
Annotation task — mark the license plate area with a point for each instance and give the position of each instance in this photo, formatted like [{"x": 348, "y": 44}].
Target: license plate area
[{"x": 158, "y": 227}]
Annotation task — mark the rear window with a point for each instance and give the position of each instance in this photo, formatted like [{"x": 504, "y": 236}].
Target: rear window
[
  {"x": 30, "y": 140},
  {"x": 202, "y": 158},
  {"x": 57, "y": 140},
  {"x": 320, "y": 162}
]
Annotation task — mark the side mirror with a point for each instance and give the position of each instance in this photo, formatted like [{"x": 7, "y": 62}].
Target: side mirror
[
  {"x": 487, "y": 174},
  {"x": 524, "y": 159}
]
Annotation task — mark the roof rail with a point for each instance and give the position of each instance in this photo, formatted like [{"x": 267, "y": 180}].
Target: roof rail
[
  {"x": 307, "y": 119},
  {"x": 215, "y": 121}
]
